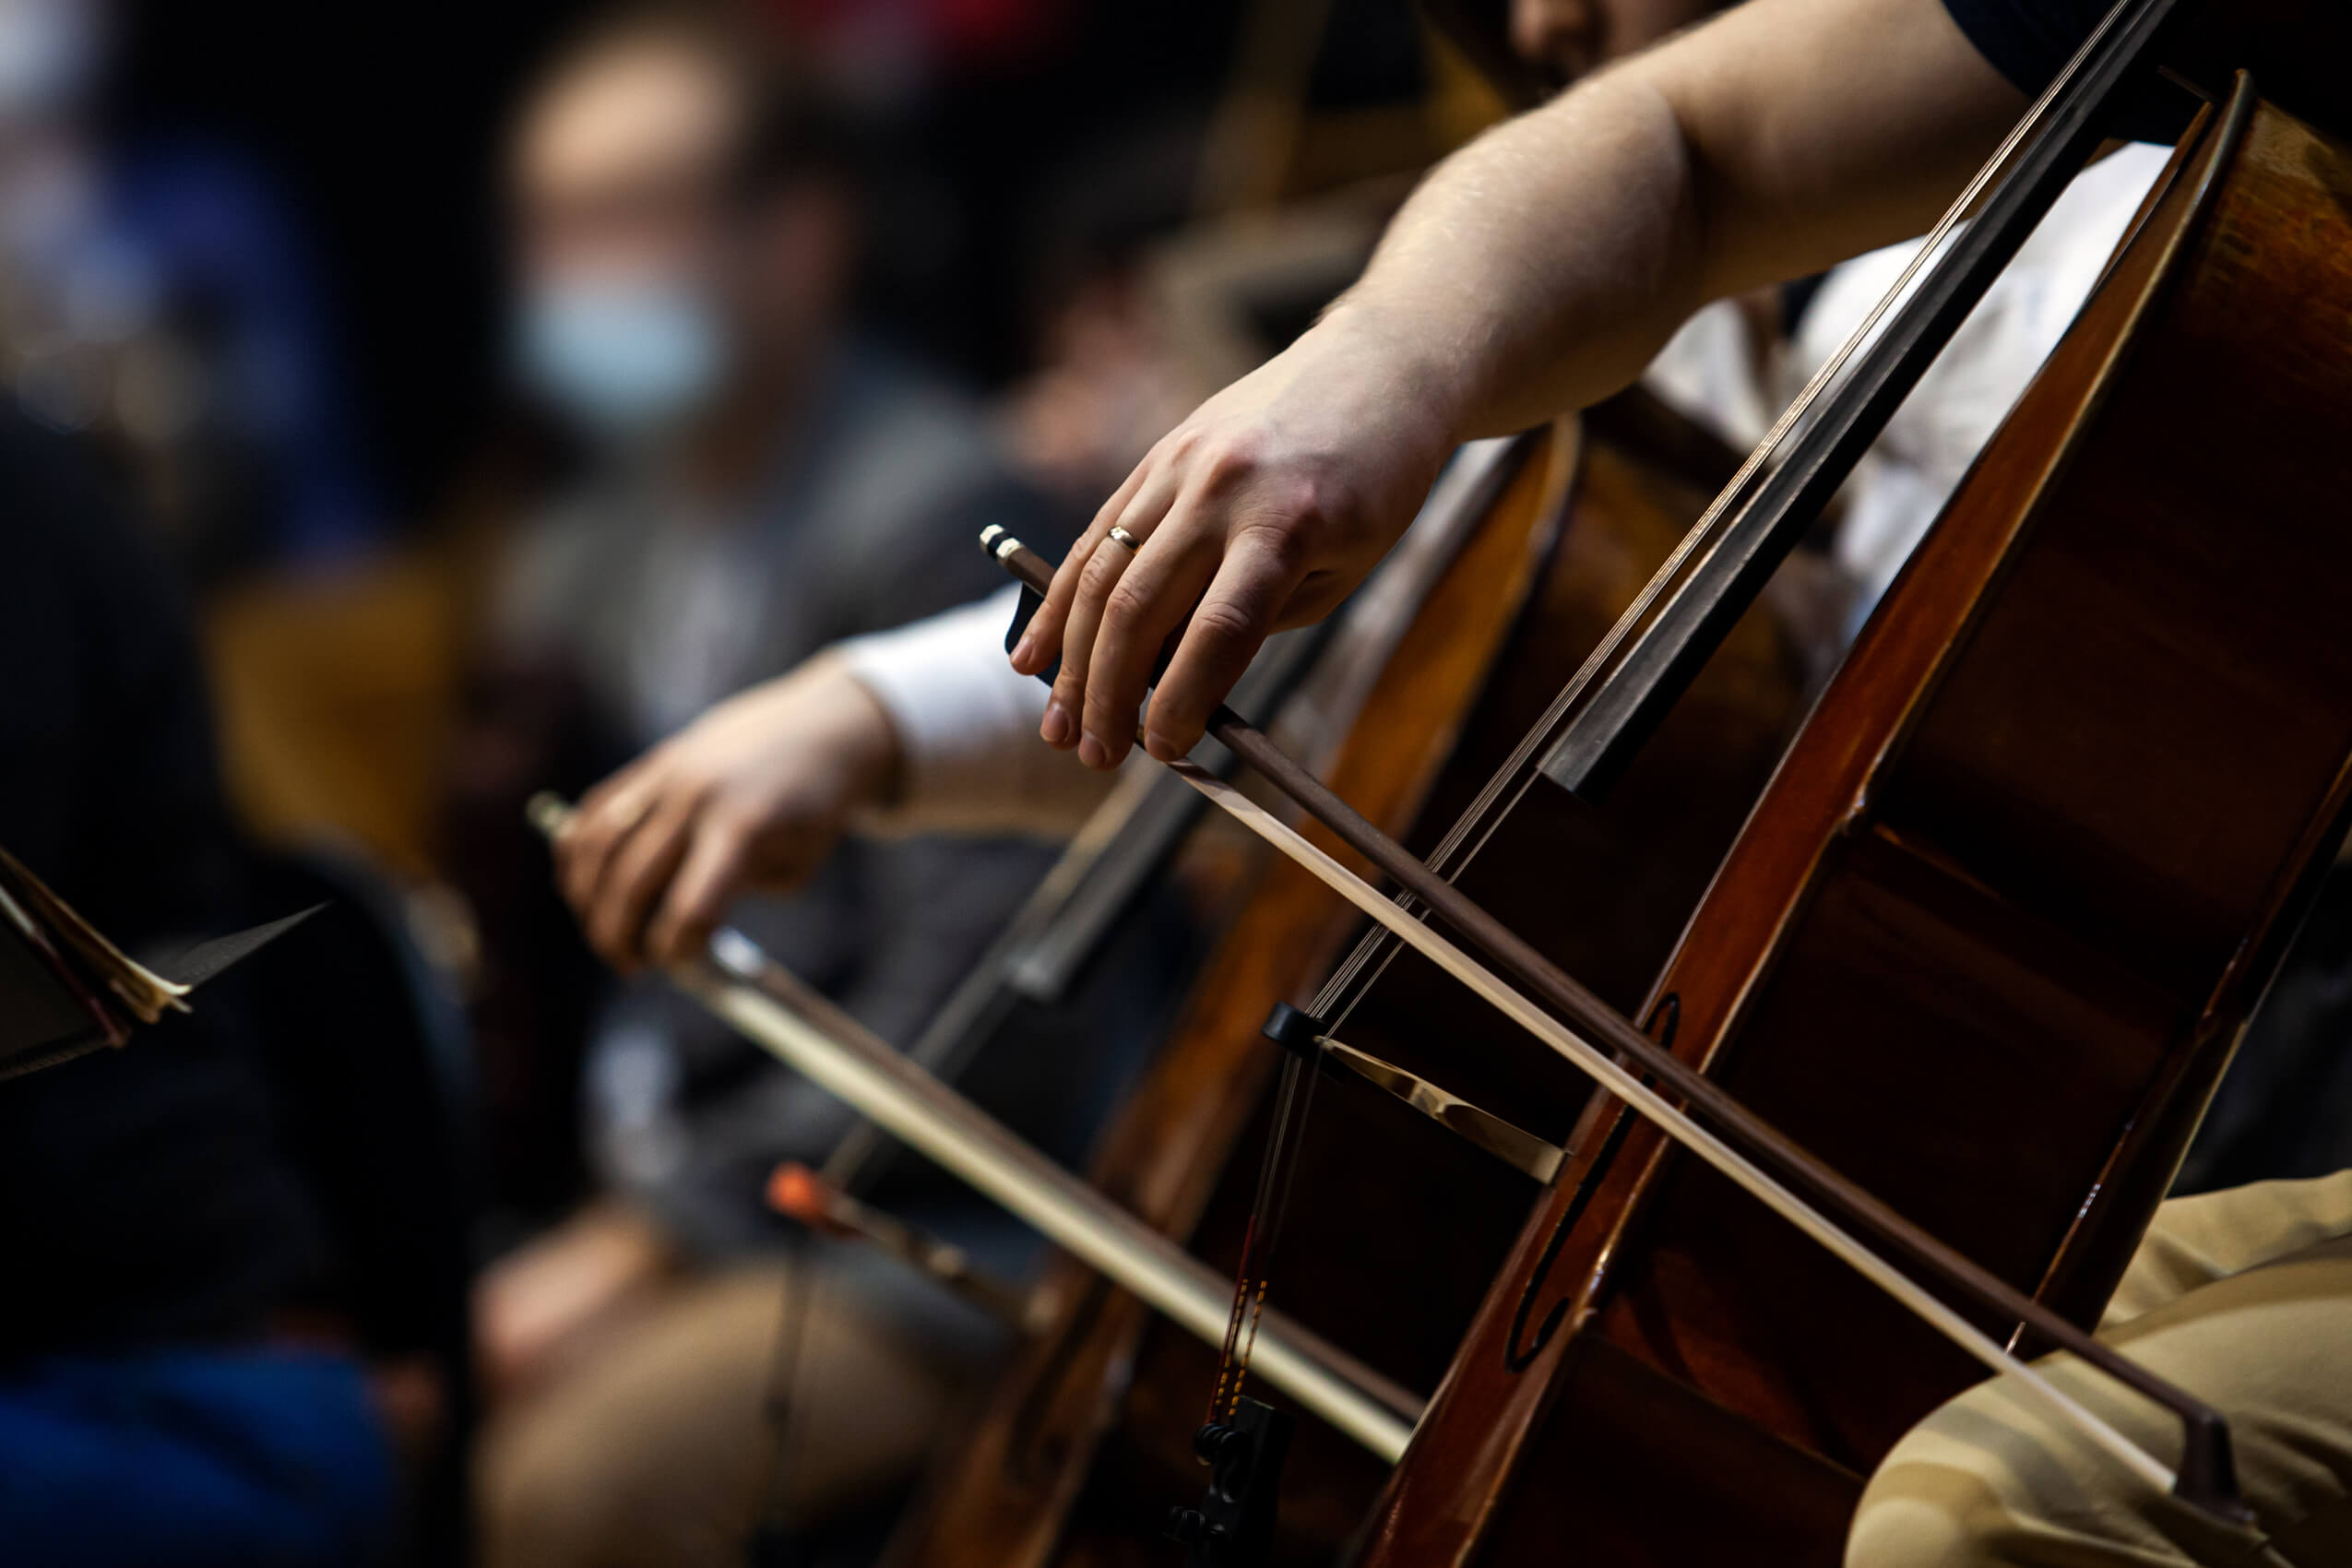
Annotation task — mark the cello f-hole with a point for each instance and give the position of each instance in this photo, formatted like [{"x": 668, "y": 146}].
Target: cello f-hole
[{"x": 1518, "y": 1352}]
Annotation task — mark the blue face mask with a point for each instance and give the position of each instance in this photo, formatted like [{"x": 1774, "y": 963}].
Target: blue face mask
[{"x": 624, "y": 361}]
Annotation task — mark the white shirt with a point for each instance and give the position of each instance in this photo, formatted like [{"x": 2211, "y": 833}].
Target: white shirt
[
  {"x": 967, "y": 727},
  {"x": 968, "y": 724},
  {"x": 1900, "y": 488}
]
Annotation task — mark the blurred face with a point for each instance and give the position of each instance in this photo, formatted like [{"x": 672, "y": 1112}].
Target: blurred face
[
  {"x": 1572, "y": 38},
  {"x": 49, "y": 55},
  {"x": 648, "y": 288},
  {"x": 617, "y": 172}
]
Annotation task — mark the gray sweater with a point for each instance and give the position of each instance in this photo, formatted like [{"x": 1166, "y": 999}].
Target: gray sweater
[{"x": 871, "y": 522}]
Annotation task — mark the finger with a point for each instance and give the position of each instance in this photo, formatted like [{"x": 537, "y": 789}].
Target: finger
[
  {"x": 1110, "y": 562},
  {"x": 1061, "y": 725},
  {"x": 1042, "y": 638},
  {"x": 607, "y": 815},
  {"x": 635, "y": 876},
  {"x": 712, "y": 872},
  {"x": 1145, "y": 609},
  {"x": 1230, "y": 624}
]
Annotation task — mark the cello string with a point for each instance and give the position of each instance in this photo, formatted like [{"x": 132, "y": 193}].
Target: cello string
[
  {"x": 1250, "y": 1274},
  {"x": 941, "y": 1046},
  {"x": 776, "y": 1012},
  {"x": 1457, "y": 501},
  {"x": 783, "y": 1015},
  {"x": 1832, "y": 372},
  {"x": 2202, "y": 1425},
  {"x": 1678, "y": 1124},
  {"x": 787, "y": 1355},
  {"x": 1305, "y": 1077},
  {"x": 1484, "y": 815}
]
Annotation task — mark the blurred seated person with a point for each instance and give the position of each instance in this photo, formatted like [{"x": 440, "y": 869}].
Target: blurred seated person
[
  {"x": 758, "y": 482},
  {"x": 176, "y": 1384},
  {"x": 158, "y": 292}
]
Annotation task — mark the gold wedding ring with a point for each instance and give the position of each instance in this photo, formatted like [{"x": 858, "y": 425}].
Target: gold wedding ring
[{"x": 1122, "y": 536}]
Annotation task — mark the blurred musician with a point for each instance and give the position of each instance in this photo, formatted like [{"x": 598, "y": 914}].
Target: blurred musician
[
  {"x": 169, "y": 1390},
  {"x": 759, "y": 481}
]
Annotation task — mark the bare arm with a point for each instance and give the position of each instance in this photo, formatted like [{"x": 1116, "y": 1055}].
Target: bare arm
[
  {"x": 913, "y": 731},
  {"x": 1536, "y": 270},
  {"x": 750, "y": 796}
]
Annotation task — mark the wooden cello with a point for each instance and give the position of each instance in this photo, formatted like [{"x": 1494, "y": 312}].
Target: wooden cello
[
  {"x": 1985, "y": 945},
  {"x": 1987, "y": 940},
  {"x": 1087, "y": 1441}
]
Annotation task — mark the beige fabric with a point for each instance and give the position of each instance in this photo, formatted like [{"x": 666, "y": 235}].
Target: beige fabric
[
  {"x": 2242, "y": 1297},
  {"x": 658, "y": 1453}
]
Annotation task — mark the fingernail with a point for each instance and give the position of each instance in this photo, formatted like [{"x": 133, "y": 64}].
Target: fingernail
[
  {"x": 1021, "y": 651},
  {"x": 1092, "y": 752},
  {"x": 1056, "y": 728}
]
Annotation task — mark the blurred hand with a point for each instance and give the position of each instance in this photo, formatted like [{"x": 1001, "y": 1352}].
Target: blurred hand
[
  {"x": 545, "y": 1303},
  {"x": 750, "y": 796},
  {"x": 1261, "y": 511}
]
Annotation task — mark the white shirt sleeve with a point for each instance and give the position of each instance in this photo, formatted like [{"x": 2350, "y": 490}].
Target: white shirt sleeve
[
  {"x": 967, "y": 723},
  {"x": 1930, "y": 443}
]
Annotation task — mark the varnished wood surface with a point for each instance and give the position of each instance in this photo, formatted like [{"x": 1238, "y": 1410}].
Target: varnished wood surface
[
  {"x": 1014, "y": 1492},
  {"x": 1987, "y": 940},
  {"x": 1395, "y": 1225}
]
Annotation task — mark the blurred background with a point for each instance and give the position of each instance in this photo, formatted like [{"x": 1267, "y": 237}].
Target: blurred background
[
  {"x": 463, "y": 397},
  {"x": 260, "y": 253},
  {"x": 271, "y": 264}
]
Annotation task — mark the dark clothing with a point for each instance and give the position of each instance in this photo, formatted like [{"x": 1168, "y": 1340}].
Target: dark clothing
[
  {"x": 141, "y": 1198},
  {"x": 175, "y": 1459},
  {"x": 2280, "y": 1113},
  {"x": 871, "y": 519},
  {"x": 2027, "y": 41}
]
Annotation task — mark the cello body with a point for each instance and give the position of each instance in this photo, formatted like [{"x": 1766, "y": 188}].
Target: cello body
[
  {"x": 1086, "y": 1442},
  {"x": 1987, "y": 940}
]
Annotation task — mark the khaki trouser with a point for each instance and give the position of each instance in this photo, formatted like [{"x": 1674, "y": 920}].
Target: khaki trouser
[
  {"x": 2243, "y": 1298},
  {"x": 659, "y": 1452}
]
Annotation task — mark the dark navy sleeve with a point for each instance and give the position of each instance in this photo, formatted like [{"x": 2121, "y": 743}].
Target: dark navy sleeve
[
  {"x": 2030, "y": 41},
  {"x": 2027, "y": 41}
]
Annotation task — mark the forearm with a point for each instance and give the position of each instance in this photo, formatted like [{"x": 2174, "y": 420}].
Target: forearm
[
  {"x": 1534, "y": 273},
  {"x": 1540, "y": 268}
]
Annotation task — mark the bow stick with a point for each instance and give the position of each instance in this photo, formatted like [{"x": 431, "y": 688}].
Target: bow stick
[
  {"x": 1717, "y": 1127},
  {"x": 782, "y": 1014}
]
